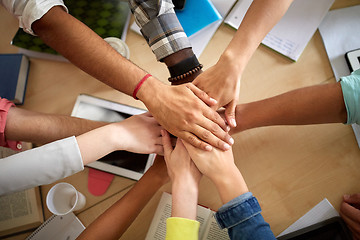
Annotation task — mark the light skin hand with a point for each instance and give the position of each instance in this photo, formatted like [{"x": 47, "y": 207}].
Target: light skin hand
[
  {"x": 222, "y": 83},
  {"x": 219, "y": 166},
  {"x": 183, "y": 111},
  {"x": 178, "y": 161},
  {"x": 141, "y": 134},
  {"x": 350, "y": 212},
  {"x": 185, "y": 179}
]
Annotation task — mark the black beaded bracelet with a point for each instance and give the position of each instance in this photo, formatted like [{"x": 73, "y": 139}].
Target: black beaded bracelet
[{"x": 187, "y": 74}]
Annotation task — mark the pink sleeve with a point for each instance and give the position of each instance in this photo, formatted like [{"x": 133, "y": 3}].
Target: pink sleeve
[{"x": 5, "y": 105}]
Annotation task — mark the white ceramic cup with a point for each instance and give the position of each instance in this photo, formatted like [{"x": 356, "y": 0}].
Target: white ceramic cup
[
  {"x": 64, "y": 198},
  {"x": 119, "y": 45}
]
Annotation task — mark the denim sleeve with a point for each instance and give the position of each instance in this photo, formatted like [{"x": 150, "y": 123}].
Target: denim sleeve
[
  {"x": 242, "y": 217},
  {"x": 350, "y": 86},
  {"x": 159, "y": 26}
]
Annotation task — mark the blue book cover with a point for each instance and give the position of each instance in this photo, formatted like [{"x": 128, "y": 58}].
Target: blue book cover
[
  {"x": 196, "y": 15},
  {"x": 14, "y": 70}
]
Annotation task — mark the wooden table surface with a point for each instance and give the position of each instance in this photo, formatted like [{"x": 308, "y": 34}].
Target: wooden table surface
[{"x": 288, "y": 168}]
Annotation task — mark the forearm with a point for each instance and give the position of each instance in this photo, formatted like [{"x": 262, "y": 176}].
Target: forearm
[
  {"x": 184, "y": 198},
  {"x": 229, "y": 182},
  {"x": 310, "y": 105},
  {"x": 115, "y": 220},
  {"x": 258, "y": 21},
  {"x": 40, "y": 128},
  {"x": 85, "y": 49}
]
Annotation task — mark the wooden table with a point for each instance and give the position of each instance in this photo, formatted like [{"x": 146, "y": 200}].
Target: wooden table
[{"x": 289, "y": 168}]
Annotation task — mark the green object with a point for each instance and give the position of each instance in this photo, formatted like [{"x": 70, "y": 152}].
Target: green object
[{"x": 108, "y": 18}]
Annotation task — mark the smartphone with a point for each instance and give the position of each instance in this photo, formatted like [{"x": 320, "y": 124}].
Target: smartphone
[
  {"x": 353, "y": 59},
  {"x": 179, "y": 4}
]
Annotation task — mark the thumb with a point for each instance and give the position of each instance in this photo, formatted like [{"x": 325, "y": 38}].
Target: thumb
[
  {"x": 352, "y": 199},
  {"x": 230, "y": 113},
  {"x": 166, "y": 143}
]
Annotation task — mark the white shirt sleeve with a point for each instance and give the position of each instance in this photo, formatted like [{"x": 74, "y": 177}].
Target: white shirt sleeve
[
  {"x": 38, "y": 166},
  {"x": 28, "y": 11}
]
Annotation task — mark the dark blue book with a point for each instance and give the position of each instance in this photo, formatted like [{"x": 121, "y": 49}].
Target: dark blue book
[{"x": 14, "y": 69}]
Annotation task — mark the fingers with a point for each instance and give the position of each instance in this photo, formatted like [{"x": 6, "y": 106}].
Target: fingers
[
  {"x": 230, "y": 113},
  {"x": 215, "y": 136},
  {"x": 353, "y": 199},
  {"x": 190, "y": 148},
  {"x": 194, "y": 141},
  {"x": 353, "y": 225},
  {"x": 216, "y": 118},
  {"x": 351, "y": 212},
  {"x": 201, "y": 94},
  {"x": 166, "y": 144},
  {"x": 159, "y": 150}
]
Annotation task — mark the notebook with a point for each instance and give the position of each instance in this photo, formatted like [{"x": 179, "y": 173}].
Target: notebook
[
  {"x": 57, "y": 227},
  {"x": 291, "y": 34},
  {"x": 196, "y": 15}
]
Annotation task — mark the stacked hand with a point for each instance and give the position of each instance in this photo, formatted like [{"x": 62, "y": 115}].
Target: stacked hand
[
  {"x": 184, "y": 111},
  {"x": 139, "y": 134},
  {"x": 221, "y": 82}
]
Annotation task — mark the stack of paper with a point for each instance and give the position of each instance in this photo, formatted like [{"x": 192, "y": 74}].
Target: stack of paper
[{"x": 291, "y": 34}]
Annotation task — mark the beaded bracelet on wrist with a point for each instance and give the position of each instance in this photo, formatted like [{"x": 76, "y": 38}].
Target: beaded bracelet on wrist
[{"x": 185, "y": 75}]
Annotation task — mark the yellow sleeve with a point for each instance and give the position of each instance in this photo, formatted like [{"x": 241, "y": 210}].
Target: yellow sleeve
[{"x": 182, "y": 228}]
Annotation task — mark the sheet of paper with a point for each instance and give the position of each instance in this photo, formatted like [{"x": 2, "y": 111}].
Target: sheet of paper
[
  {"x": 291, "y": 34},
  {"x": 237, "y": 14},
  {"x": 321, "y": 212},
  {"x": 200, "y": 39},
  {"x": 340, "y": 31}
]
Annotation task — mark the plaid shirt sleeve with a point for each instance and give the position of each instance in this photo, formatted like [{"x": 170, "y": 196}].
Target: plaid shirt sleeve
[{"x": 159, "y": 26}]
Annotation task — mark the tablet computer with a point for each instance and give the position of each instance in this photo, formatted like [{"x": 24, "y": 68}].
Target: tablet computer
[
  {"x": 331, "y": 229},
  {"x": 122, "y": 163}
]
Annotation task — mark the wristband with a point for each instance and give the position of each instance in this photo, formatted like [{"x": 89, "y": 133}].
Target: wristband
[
  {"x": 186, "y": 74},
  {"x": 184, "y": 66},
  {"x": 139, "y": 85}
]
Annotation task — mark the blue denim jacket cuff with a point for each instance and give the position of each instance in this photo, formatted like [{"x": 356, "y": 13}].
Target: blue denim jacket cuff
[{"x": 237, "y": 210}]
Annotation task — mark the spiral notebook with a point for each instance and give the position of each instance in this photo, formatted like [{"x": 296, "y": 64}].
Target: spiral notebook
[{"x": 57, "y": 227}]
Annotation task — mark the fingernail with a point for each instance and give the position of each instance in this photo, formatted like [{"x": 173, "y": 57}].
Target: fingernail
[
  {"x": 208, "y": 148},
  {"x": 213, "y": 100},
  {"x": 227, "y": 128},
  {"x": 226, "y": 146},
  {"x": 233, "y": 122},
  {"x": 231, "y": 140},
  {"x": 346, "y": 196}
]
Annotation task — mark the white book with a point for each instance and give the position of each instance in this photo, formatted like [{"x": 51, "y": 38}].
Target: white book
[
  {"x": 209, "y": 228},
  {"x": 321, "y": 212},
  {"x": 291, "y": 34},
  {"x": 19, "y": 211}
]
